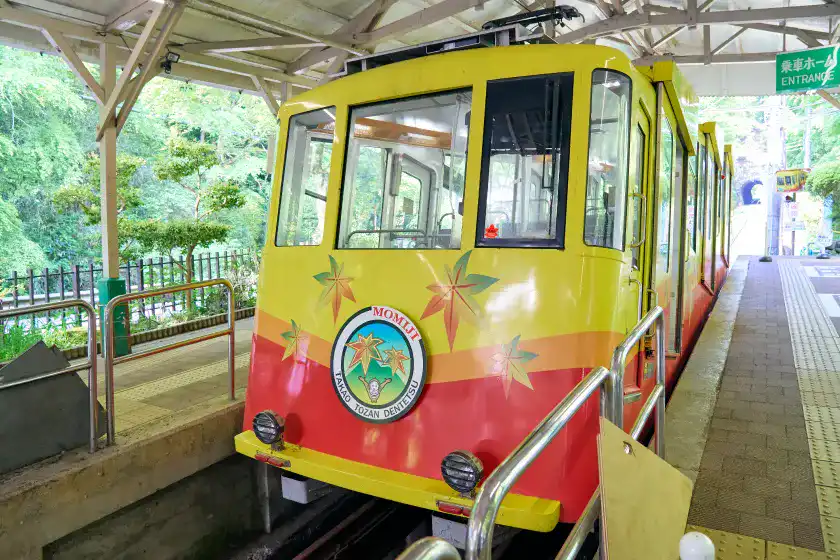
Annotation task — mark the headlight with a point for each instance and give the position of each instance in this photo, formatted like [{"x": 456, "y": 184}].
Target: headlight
[
  {"x": 462, "y": 471},
  {"x": 269, "y": 428}
]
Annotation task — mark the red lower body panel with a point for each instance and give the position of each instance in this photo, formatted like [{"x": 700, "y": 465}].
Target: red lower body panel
[{"x": 474, "y": 415}]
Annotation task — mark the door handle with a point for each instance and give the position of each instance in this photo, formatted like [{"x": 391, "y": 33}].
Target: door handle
[
  {"x": 641, "y": 291},
  {"x": 633, "y": 395},
  {"x": 642, "y": 223}
]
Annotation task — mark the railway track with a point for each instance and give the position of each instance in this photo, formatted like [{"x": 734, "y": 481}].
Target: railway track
[{"x": 353, "y": 526}]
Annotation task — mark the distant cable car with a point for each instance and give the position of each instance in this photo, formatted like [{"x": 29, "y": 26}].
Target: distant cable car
[{"x": 791, "y": 180}]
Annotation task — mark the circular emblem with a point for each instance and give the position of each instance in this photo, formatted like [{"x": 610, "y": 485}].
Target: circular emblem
[{"x": 378, "y": 364}]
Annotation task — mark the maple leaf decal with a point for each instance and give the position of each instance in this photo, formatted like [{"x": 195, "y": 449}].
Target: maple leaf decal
[
  {"x": 509, "y": 364},
  {"x": 336, "y": 287},
  {"x": 296, "y": 343},
  {"x": 394, "y": 359},
  {"x": 454, "y": 296},
  {"x": 366, "y": 348}
]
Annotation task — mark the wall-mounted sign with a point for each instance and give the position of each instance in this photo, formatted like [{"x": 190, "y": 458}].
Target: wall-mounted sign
[{"x": 807, "y": 70}]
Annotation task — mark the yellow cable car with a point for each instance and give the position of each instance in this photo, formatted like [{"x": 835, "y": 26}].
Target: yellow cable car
[
  {"x": 791, "y": 180},
  {"x": 455, "y": 240}
]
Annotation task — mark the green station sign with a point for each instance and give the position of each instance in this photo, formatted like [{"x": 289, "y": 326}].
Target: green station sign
[{"x": 807, "y": 70}]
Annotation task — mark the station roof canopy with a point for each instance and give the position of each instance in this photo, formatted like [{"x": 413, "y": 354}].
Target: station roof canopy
[{"x": 725, "y": 47}]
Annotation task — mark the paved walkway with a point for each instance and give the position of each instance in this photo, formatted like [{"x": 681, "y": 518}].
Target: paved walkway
[
  {"x": 157, "y": 386},
  {"x": 768, "y": 476}
]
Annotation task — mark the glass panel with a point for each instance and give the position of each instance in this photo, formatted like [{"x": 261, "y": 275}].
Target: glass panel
[
  {"x": 666, "y": 169},
  {"x": 638, "y": 174},
  {"x": 675, "y": 309},
  {"x": 404, "y": 175},
  {"x": 306, "y": 174},
  {"x": 609, "y": 137},
  {"x": 691, "y": 203},
  {"x": 701, "y": 193},
  {"x": 710, "y": 200},
  {"x": 523, "y": 177}
]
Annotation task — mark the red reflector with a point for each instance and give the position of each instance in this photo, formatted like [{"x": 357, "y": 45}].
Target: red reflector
[
  {"x": 273, "y": 461},
  {"x": 453, "y": 509}
]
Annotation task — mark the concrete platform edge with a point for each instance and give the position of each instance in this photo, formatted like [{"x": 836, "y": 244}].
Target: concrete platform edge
[
  {"x": 49, "y": 501},
  {"x": 689, "y": 411}
]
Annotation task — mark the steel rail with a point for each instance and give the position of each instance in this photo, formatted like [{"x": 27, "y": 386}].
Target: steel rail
[
  {"x": 108, "y": 343},
  {"x": 89, "y": 365}
]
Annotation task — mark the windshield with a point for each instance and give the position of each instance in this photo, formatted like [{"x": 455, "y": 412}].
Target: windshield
[{"x": 404, "y": 174}]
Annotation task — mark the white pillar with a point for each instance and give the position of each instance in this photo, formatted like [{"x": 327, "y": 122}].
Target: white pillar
[{"x": 108, "y": 168}]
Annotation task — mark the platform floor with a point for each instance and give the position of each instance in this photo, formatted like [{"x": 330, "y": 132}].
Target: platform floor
[
  {"x": 152, "y": 388},
  {"x": 763, "y": 445}
]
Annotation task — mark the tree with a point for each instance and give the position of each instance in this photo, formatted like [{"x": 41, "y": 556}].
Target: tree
[
  {"x": 17, "y": 252},
  {"x": 84, "y": 196},
  {"x": 187, "y": 165},
  {"x": 824, "y": 180}
]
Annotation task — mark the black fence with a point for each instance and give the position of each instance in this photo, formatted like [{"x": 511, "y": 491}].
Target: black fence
[{"x": 79, "y": 282}]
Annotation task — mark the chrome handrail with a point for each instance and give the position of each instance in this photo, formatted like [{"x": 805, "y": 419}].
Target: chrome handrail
[
  {"x": 655, "y": 401},
  {"x": 502, "y": 479},
  {"x": 615, "y": 385},
  {"x": 108, "y": 343},
  {"x": 430, "y": 548},
  {"x": 89, "y": 365}
]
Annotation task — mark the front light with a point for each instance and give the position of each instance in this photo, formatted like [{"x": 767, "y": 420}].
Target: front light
[
  {"x": 462, "y": 471},
  {"x": 268, "y": 427}
]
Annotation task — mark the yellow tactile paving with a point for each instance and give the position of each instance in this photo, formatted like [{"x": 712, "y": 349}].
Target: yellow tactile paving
[
  {"x": 776, "y": 551},
  {"x": 831, "y": 534},
  {"x": 178, "y": 380},
  {"x": 824, "y": 450},
  {"x": 823, "y": 430},
  {"x": 819, "y": 381},
  {"x": 826, "y": 473},
  {"x": 729, "y": 546},
  {"x": 824, "y": 414},
  {"x": 810, "y": 398},
  {"x": 829, "y": 501}
]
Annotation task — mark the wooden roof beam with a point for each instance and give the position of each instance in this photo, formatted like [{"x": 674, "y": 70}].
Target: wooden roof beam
[
  {"x": 261, "y": 44},
  {"x": 66, "y": 51}
]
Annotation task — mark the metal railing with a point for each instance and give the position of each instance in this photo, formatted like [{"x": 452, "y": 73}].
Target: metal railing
[
  {"x": 430, "y": 548},
  {"x": 89, "y": 364},
  {"x": 611, "y": 386},
  {"x": 108, "y": 344}
]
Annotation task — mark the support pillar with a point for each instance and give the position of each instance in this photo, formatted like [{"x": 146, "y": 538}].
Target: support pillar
[{"x": 110, "y": 285}]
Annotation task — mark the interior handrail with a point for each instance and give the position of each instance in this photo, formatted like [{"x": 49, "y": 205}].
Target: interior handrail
[
  {"x": 89, "y": 364},
  {"x": 108, "y": 343}
]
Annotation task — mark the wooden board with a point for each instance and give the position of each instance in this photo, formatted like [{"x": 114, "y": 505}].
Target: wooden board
[{"x": 644, "y": 500}]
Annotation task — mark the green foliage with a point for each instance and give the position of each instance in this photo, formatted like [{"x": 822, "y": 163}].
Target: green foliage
[
  {"x": 84, "y": 195},
  {"x": 184, "y": 234},
  {"x": 17, "y": 340},
  {"x": 222, "y": 196},
  {"x": 47, "y": 124},
  {"x": 185, "y": 159},
  {"x": 824, "y": 180},
  {"x": 17, "y": 252}
]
